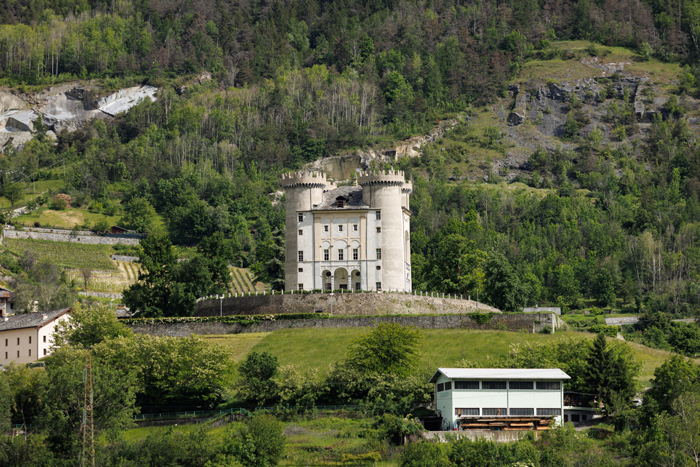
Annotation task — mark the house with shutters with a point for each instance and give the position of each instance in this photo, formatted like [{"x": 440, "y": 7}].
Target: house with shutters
[{"x": 25, "y": 338}]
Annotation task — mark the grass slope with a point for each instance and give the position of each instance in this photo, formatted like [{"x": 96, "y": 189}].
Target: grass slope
[
  {"x": 66, "y": 254},
  {"x": 318, "y": 348},
  {"x": 64, "y": 219}
]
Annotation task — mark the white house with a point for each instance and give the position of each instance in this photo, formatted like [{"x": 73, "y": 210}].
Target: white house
[
  {"x": 492, "y": 398},
  {"x": 25, "y": 338}
]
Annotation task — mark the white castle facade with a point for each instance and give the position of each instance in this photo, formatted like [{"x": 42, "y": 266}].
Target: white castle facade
[{"x": 349, "y": 237}]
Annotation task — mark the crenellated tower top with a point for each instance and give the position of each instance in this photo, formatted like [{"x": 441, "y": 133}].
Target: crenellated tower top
[
  {"x": 304, "y": 178},
  {"x": 392, "y": 177}
]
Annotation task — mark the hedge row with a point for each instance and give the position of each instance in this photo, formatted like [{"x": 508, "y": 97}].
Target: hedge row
[{"x": 245, "y": 320}]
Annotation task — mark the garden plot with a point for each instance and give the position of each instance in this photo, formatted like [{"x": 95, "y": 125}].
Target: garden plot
[{"x": 99, "y": 281}]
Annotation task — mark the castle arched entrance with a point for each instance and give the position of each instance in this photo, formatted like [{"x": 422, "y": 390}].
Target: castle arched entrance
[
  {"x": 340, "y": 279},
  {"x": 356, "y": 280}
]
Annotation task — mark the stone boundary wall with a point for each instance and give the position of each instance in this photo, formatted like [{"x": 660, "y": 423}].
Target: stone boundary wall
[
  {"x": 100, "y": 294},
  {"x": 505, "y": 322},
  {"x": 620, "y": 321},
  {"x": 543, "y": 309},
  {"x": 346, "y": 304},
  {"x": 474, "y": 435},
  {"x": 86, "y": 239},
  {"x": 128, "y": 259},
  {"x": 88, "y": 233}
]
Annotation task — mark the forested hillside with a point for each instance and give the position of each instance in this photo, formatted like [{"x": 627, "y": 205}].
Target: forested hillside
[{"x": 603, "y": 209}]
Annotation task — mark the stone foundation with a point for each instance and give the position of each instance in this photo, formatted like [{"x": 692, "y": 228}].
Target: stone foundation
[{"x": 346, "y": 304}]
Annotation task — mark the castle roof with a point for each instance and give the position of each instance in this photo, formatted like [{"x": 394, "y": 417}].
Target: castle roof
[{"x": 352, "y": 196}]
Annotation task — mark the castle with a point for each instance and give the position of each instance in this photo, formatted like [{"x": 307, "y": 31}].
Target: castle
[{"x": 348, "y": 237}]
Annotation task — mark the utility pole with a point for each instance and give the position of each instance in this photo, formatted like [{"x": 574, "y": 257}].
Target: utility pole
[{"x": 88, "y": 445}]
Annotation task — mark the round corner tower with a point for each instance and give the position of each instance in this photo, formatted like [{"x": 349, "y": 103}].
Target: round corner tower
[
  {"x": 304, "y": 191},
  {"x": 388, "y": 194}
]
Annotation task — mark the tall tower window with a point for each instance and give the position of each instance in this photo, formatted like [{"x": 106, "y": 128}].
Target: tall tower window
[
  {"x": 379, "y": 286},
  {"x": 355, "y": 254},
  {"x": 379, "y": 253},
  {"x": 301, "y": 217},
  {"x": 301, "y": 286},
  {"x": 340, "y": 255},
  {"x": 379, "y": 230},
  {"x": 340, "y": 228},
  {"x": 326, "y": 255},
  {"x": 301, "y": 232},
  {"x": 301, "y": 256},
  {"x": 378, "y": 215}
]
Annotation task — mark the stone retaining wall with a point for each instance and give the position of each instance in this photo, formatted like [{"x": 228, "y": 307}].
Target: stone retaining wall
[
  {"x": 474, "y": 435},
  {"x": 506, "y": 322},
  {"x": 87, "y": 239},
  {"x": 100, "y": 294},
  {"x": 128, "y": 259},
  {"x": 621, "y": 321},
  {"x": 88, "y": 233},
  {"x": 346, "y": 304}
]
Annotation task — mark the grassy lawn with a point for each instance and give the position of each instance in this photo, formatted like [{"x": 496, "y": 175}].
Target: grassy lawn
[
  {"x": 64, "y": 219},
  {"x": 66, "y": 254},
  {"x": 319, "y": 348}
]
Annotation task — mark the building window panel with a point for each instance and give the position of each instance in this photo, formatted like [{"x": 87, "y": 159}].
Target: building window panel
[
  {"x": 18, "y": 341},
  {"x": 463, "y": 412},
  {"x": 30, "y": 352},
  {"x": 30, "y": 339},
  {"x": 44, "y": 338},
  {"x": 440, "y": 387},
  {"x": 466, "y": 385},
  {"x": 325, "y": 228},
  {"x": 378, "y": 215},
  {"x": 301, "y": 232},
  {"x": 556, "y": 412},
  {"x": 491, "y": 411},
  {"x": 354, "y": 227},
  {"x": 522, "y": 412},
  {"x": 379, "y": 230},
  {"x": 301, "y": 269},
  {"x": 493, "y": 385},
  {"x": 326, "y": 255},
  {"x": 44, "y": 351},
  {"x": 340, "y": 228},
  {"x": 18, "y": 354},
  {"x": 549, "y": 385},
  {"x": 379, "y": 253},
  {"x": 6, "y": 342},
  {"x": 301, "y": 256},
  {"x": 301, "y": 217},
  {"x": 6, "y": 357},
  {"x": 355, "y": 254},
  {"x": 301, "y": 286},
  {"x": 340, "y": 255},
  {"x": 379, "y": 286},
  {"x": 448, "y": 386},
  {"x": 521, "y": 385}
]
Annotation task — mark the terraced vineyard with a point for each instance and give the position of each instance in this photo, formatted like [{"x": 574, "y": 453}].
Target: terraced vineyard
[
  {"x": 65, "y": 254},
  {"x": 242, "y": 281}
]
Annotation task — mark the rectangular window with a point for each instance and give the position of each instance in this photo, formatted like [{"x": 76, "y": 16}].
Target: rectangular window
[
  {"x": 44, "y": 338},
  {"x": 6, "y": 342},
  {"x": 341, "y": 203},
  {"x": 301, "y": 269},
  {"x": 18, "y": 354},
  {"x": 44, "y": 351},
  {"x": 340, "y": 228},
  {"x": 301, "y": 286},
  {"x": 6, "y": 357},
  {"x": 463, "y": 412},
  {"x": 30, "y": 339},
  {"x": 355, "y": 254},
  {"x": 466, "y": 385},
  {"x": 379, "y": 286},
  {"x": 379, "y": 253},
  {"x": 448, "y": 386},
  {"x": 494, "y": 412},
  {"x": 440, "y": 387},
  {"x": 18, "y": 341},
  {"x": 358, "y": 286},
  {"x": 493, "y": 385},
  {"x": 354, "y": 227},
  {"x": 325, "y": 228},
  {"x": 379, "y": 230},
  {"x": 521, "y": 385},
  {"x": 301, "y": 256},
  {"x": 326, "y": 255},
  {"x": 301, "y": 232},
  {"x": 522, "y": 412},
  {"x": 378, "y": 215},
  {"x": 30, "y": 352},
  {"x": 340, "y": 255},
  {"x": 301, "y": 217},
  {"x": 556, "y": 412},
  {"x": 549, "y": 385},
  {"x": 328, "y": 286}
]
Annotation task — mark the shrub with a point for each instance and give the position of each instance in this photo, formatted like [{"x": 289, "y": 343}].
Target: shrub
[{"x": 61, "y": 201}]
